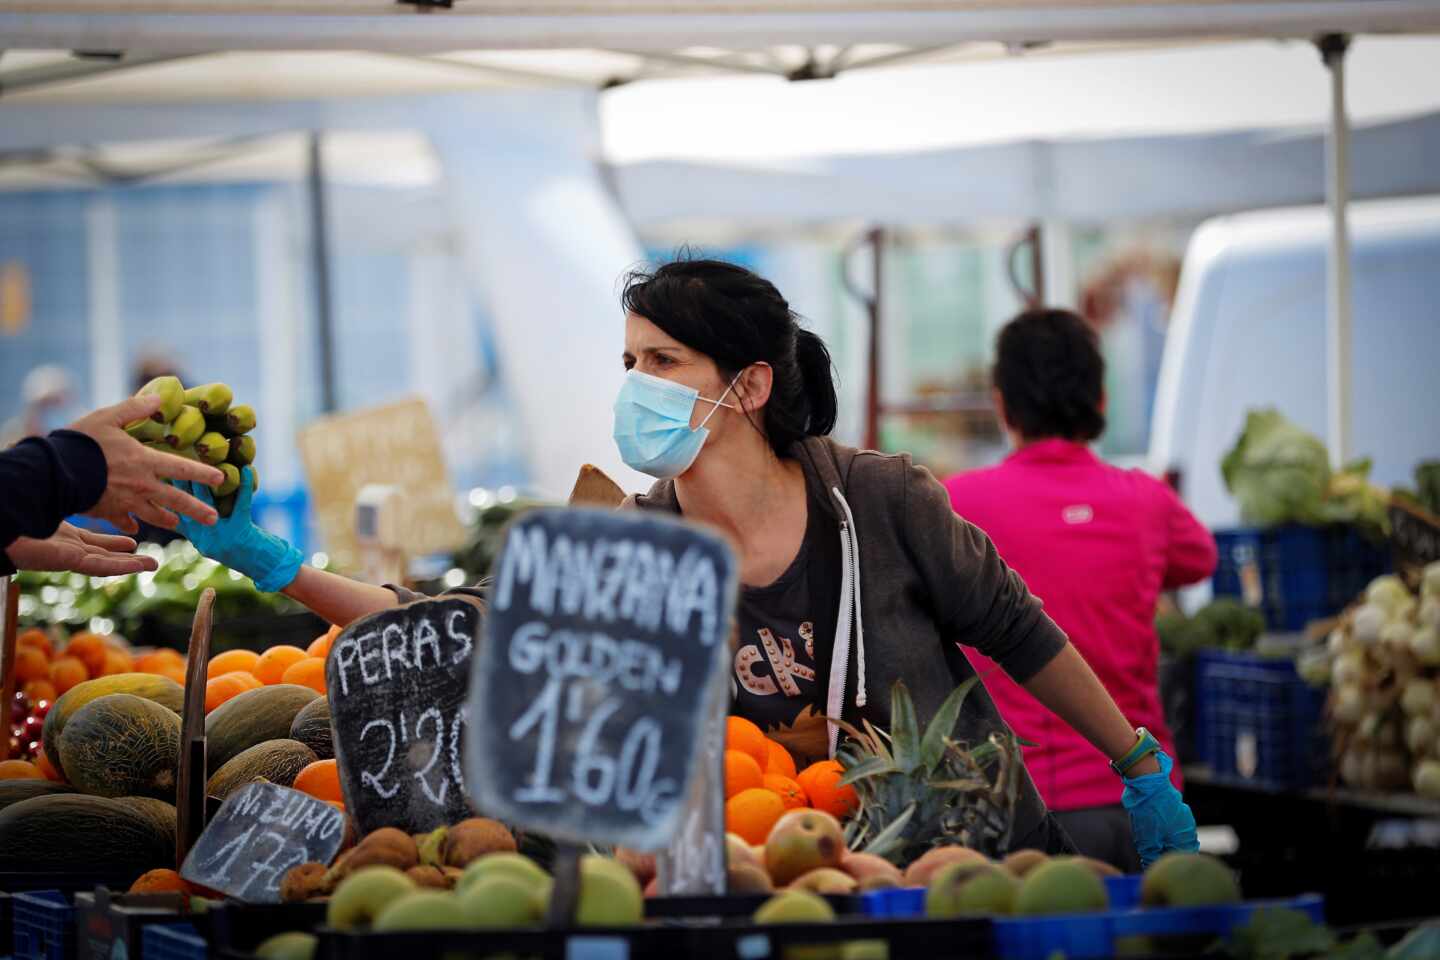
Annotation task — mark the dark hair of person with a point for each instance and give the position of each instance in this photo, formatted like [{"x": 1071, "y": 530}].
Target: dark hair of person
[
  {"x": 1050, "y": 373},
  {"x": 737, "y": 318}
]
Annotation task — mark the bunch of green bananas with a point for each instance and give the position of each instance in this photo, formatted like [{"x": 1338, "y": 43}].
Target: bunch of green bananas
[{"x": 202, "y": 423}]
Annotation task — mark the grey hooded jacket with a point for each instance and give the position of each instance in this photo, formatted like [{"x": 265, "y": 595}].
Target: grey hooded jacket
[{"x": 917, "y": 582}]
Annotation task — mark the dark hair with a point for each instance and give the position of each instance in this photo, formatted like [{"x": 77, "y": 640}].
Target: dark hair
[
  {"x": 1050, "y": 373},
  {"x": 736, "y": 318}
]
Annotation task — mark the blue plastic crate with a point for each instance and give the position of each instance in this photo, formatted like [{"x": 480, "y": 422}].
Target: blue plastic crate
[
  {"x": 172, "y": 941},
  {"x": 1296, "y": 574},
  {"x": 1257, "y": 723},
  {"x": 1090, "y": 936},
  {"x": 44, "y": 924},
  {"x": 910, "y": 901}
]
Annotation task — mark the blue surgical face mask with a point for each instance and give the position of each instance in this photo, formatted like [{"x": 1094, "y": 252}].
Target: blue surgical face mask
[{"x": 652, "y": 424}]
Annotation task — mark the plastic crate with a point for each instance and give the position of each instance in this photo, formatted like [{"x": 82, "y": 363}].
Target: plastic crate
[
  {"x": 172, "y": 941},
  {"x": 669, "y": 940},
  {"x": 44, "y": 925},
  {"x": 910, "y": 901},
  {"x": 1257, "y": 723},
  {"x": 236, "y": 929},
  {"x": 1296, "y": 574},
  {"x": 1090, "y": 936},
  {"x": 110, "y": 925}
]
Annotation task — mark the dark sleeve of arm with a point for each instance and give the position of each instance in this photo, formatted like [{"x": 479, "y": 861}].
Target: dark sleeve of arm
[
  {"x": 1190, "y": 554},
  {"x": 979, "y": 601},
  {"x": 43, "y": 480}
]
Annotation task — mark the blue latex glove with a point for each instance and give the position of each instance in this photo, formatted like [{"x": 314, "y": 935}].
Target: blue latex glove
[
  {"x": 1159, "y": 817},
  {"x": 236, "y": 542}
]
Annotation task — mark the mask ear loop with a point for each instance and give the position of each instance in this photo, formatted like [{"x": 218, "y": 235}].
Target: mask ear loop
[{"x": 719, "y": 403}]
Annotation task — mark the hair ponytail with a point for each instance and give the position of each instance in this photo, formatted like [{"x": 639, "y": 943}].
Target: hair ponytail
[{"x": 817, "y": 371}]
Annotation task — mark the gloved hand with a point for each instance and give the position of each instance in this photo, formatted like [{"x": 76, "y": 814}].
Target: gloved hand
[
  {"x": 1159, "y": 817},
  {"x": 236, "y": 542}
]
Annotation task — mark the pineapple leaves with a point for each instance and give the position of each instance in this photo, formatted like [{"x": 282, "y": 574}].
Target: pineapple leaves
[
  {"x": 904, "y": 729},
  {"x": 889, "y": 840},
  {"x": 867, "y": 768},
  {"x": 942, "y": 724}
]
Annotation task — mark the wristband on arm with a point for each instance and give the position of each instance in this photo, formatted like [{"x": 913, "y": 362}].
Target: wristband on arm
[{"x": 1145, "y": 745}]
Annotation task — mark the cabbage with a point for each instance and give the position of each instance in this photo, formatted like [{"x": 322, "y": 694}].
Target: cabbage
[{"x": 1277, "y": 472}]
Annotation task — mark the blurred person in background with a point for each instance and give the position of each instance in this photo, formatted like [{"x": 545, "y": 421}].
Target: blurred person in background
[
  {"x": 1096, "y": 543},
  {"x": 46, "y": 393}
]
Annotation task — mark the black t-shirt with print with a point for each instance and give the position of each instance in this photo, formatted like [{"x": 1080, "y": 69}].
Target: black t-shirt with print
[{"x": 786, "y": 631}]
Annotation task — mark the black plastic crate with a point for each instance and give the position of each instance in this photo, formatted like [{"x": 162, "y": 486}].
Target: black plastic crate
[
  {"x": 173, "y": 941},
  {"x": 236, "y": 929},
  {"x": 1296, "y": 574},
  {"x": 731, "y": 906},
  {"x": 1257, "y": 723},
  {"x": 693, "y": 940}
]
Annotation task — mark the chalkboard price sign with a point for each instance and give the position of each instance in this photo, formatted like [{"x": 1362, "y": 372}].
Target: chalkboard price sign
[
  {"x": 589, "y": 693},
  {"x": 259, "y": 833},
  {"x": 396, "y": 682}
]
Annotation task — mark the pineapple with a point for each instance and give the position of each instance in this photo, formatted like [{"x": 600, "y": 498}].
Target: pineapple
[{"x": 920, "y": 789}]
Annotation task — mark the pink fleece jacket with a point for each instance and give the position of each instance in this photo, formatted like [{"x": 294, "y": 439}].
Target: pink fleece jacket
[{"x": 1098, "y": 545}]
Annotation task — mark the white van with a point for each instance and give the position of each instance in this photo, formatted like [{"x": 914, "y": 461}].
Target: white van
[{"x": 1248, "y": 330}]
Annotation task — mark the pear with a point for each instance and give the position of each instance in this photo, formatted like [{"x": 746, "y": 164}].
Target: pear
[
  {"x": 514, "y": 865},
  {"x": 502, "y": 901},
  {"x": 172, "y": 397},
  {"x": 431, "y": 845},
  {"x": 1022, "y": 862},
  {"x": 747, "y": 878},
  {"x": 868, "y": 867},
  {"x": 240, "y": 419},
  {"x": 1188, "y": 880},
  {"x": 363, "y": 894},
  {"x": 186, "y": 428},
  {"x": 422, "y": 910},
  {"x": 918, "y": 874},
  {"x": 469, "y": 839},
  {"x": 213, "y": 399},
  {"x": 242, "y": 451},
  {"x": 291, "y": 945},
  {"x": 212, "y": 448},
  {"x": 794, "y": 906},
  {"x": 610, "y": 896},
  {"x": 962, "y": 889}
]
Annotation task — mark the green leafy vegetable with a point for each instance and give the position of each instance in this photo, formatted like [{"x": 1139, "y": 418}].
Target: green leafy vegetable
[{"x": 1277, "y": 472}]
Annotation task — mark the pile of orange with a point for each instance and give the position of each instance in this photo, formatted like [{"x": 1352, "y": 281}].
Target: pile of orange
[
  {"x": 231, "y": 673},
  {"x": 761, "y": 783},
  {"x": 44, "y": 671}
]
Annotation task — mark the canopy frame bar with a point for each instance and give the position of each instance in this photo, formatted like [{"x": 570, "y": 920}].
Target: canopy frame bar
[{"x": 1338, "y": 304}]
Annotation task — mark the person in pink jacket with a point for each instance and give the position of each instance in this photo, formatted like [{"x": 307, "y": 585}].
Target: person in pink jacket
[{"x": 1096, "y": 543}]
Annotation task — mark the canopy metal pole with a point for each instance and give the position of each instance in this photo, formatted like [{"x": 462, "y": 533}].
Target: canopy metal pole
[
  {"x": 320, "y": 260},
  {"x": 1338, "y": 318}
]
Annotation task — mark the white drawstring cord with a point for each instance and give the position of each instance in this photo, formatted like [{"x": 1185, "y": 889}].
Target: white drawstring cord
[{"x": 860, "y": 698}]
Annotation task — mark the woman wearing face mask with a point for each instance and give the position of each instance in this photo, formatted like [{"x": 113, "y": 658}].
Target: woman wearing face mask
[{"x": 855, "y": 571}]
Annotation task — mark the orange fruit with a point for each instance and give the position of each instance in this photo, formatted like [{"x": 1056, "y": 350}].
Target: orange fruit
[
  {"x": 274, "y": 662},
  {"x": 227, "y": 685},
  {"x": 175, "y": 671},
  {"x": 309, "y": 672},
  {"x": 788, "y": 790},
  {"x": 90, "y": 650},
  {"x": 159, "y": 880},
  {"x": 37, "y": 690},
  {"x": 156, "y": 661},
  {"x": 779, "y": 760},
  {"x": 320, "y": 646},
  {"x": 742, "y": 735},
  {"x": 231, "y": 661},
  {"x": 337, "y": 804},
  {"x": 741, "y": 773},
  {"x": 821, "y": 783},
  {"x": 35, "y": 637},
  {"x": 47, "y": 769},
  {"x": 751, "y": 813},
  {"x": 321, "y": 780},
  {"x": 19, "y": 770},
  {"x": 117, "y": 661},
  {"x": 31, "y": 664},
  {"x": 66, "y": 672}
]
